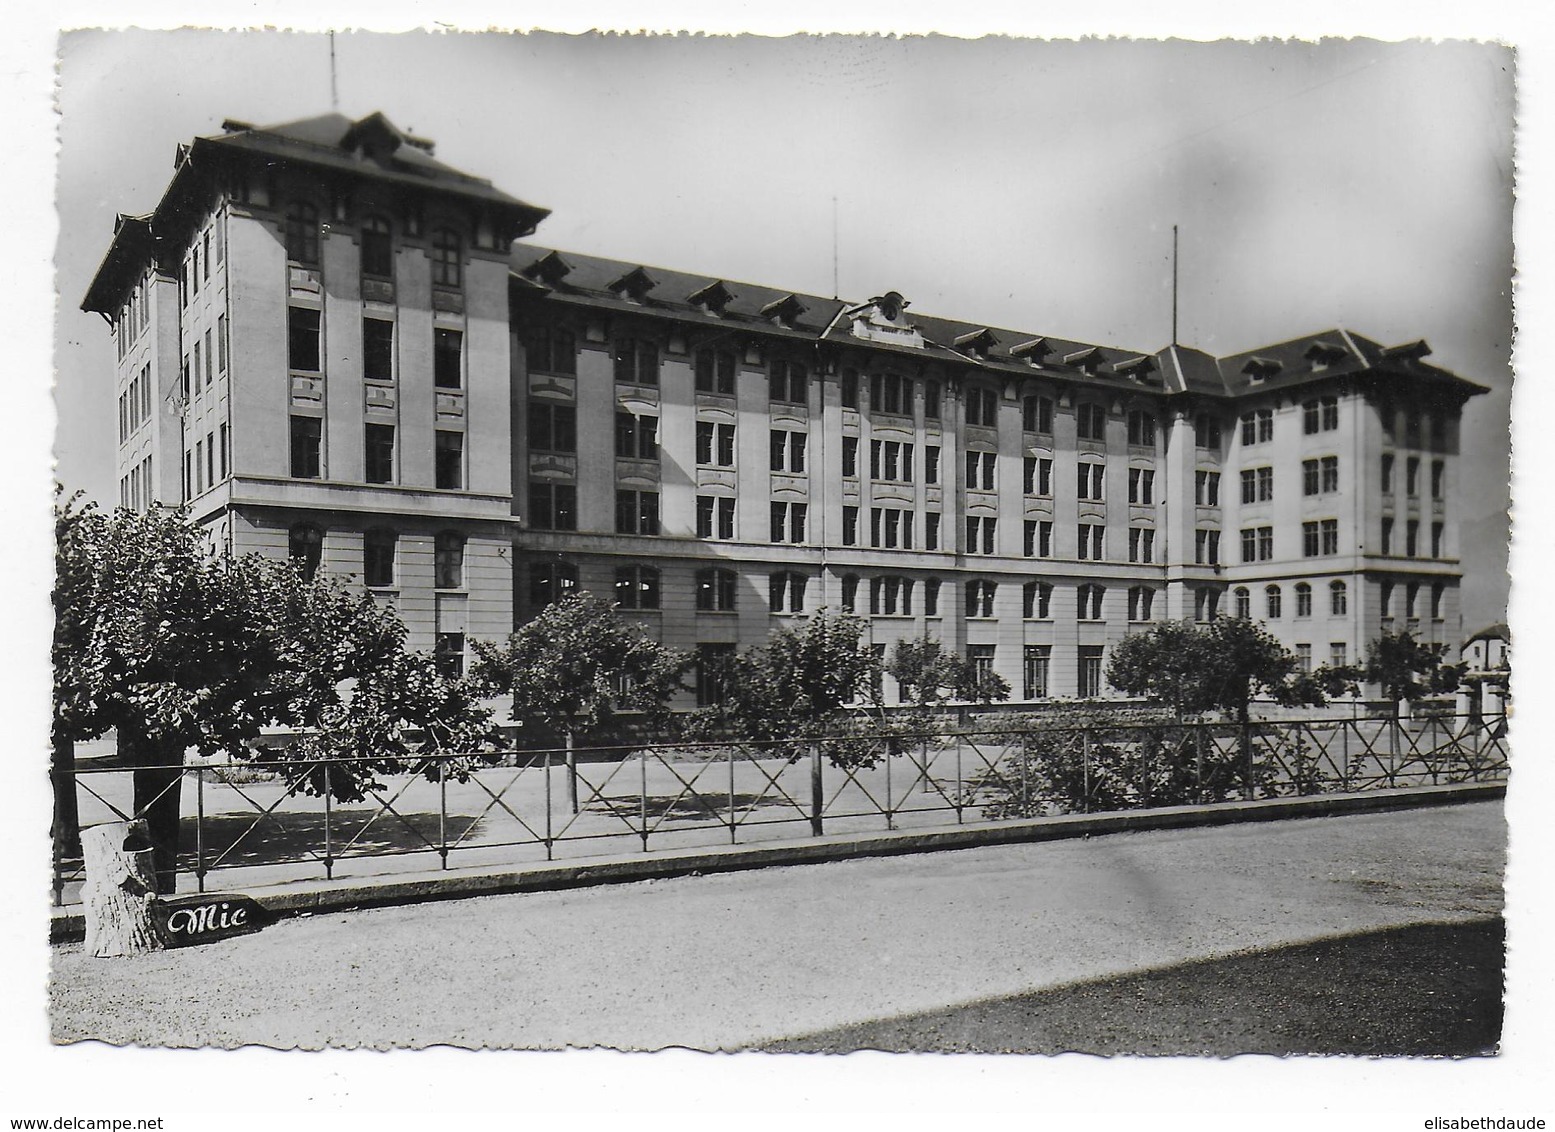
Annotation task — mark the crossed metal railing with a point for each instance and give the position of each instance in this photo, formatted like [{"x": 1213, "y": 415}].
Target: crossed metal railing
[{"x": 274, "y": 823}]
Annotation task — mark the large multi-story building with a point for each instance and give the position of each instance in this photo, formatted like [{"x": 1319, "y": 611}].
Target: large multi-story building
[{"x": 332, "y": 346}]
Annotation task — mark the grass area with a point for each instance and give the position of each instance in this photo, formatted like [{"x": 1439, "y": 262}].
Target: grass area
[{"x": 1425, "y": 990}]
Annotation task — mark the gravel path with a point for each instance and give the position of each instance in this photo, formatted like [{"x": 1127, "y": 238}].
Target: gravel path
[{"x": 738, "y": 959}]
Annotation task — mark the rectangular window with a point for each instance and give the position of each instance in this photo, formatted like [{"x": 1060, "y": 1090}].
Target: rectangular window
[
  {"x": 1141, "y": 486},
  {"x": 210, "y": 361},
  {"x": 1140, "y": 601},
  {"x": 1438, "y": 479},
  {"x": 307, "y": 439},
  {"x": 1206, "y": 432},
  {"x": 1037, "y": 601},
  {"x": 1438, "y": 540},
  {"x": 1309, "y": 540},
  {"x": 1387, "y": 534},
  {"x": 447, "y": 358},
  {"x": 449, "y": 460},
  {"x": 1309, "y": 477},
  {"x": 636, "y": 361},
  {"x": 552, "y": 427},
  {"x": 850, "y": 456},
  {"x": 302, "y": 339},
  {"x": 1090, "y": 671},
  {"x": 931, "y": 530},
  {"x": 785, "y": 592},
  {"x": 715, "y": 444},
  {"x": 1387, "y": 473},
  {"x": 1091, "y": 535},
  {"x": 550, "y": 349},
  {"x": 378, "y": 558},
  {"x": 980, "y": 532},
  {"x": 378, "y": 453},
  {"x": 1304, "y": 657},
  {"x": 1330, "y": 466},
  {"x": 715, "y": 516},
  {"x": 712, "y": 668},
  {"x": 1089, "y": 481},
  {"x": 1412, "y": 476},
  {"x": 1412, "y": 538},
  {"x": 1337, "y": 654},
  {"x": 448, "y": 654},
  {"x": 715, "y": 591},
  {"x": 931, "y": 463},
  {"x": 1037, "y": 415},
  {"x": 1206, "y": 488},
  {"x": 637, "y": 437},
  {"x": 789, "y": 522},
  {"x": 221, "y": 341},
  {"x": 715, "y": 370},
  {"x": 788, "y": 382},
  {"x": 850, "y": 526},
  {"x": 226, "y": 452},
  {"x": 1206, "y": 547},
  {"x": 1038, "y": 658},
  {"x": 1141, "y": 544},
  {"x": 980, "y": 598},
  {"x": 377, "y": 349},
  {"x": 1330, "y": 535},
  {"x": 980, "y": 470},
  {"x": 982, "y": 657},
  {"x": 1039, "y": 538},
  {"x": 1258, "y": 426},
  {"x": 637, "y": 512},
  {"x": 1321, "y": 415},
  {"x": 553, "y": 506},
  {"x": 199, "y": 466}
]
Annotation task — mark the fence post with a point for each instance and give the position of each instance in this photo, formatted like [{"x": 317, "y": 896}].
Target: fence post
[
  {"x": 923, "y": 763},
  {"x": 199, "y": 829},
  {"x": 1344, "y": 752},
  {"x": 329, "y": 842},
  {"x": 442, "y": 810},
  {"x": 1395, "y": 731},
  {"x": 1247, "y": 754},
  {"x": 572, "y": 774},
  {"x": 817, "y": 797},
  {"x": 642, "y": 796},
  {"x": 890, "y": 820},
  {"x": 549, "y": 840},
  {"x": 960, "y": 798},
  {"x": 1085, "y": 768},
  {"x": 1198, "y": 761},
  {"x": 732, "y": 839},
  {"x": 1025, "y": 786}
]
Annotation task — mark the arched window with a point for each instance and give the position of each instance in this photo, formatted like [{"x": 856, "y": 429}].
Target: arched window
[
  {"x": 1089, "y": 606},
  {"x": 305, "y": 546},
  {"x": 786, "y": 592},
  {"x": 448, "y": 560},
  {"x": 550, "y": 582},
  {"x": 302, "y": 232},
  {"x": 446, "y": 259},
  {"x": 1338, "y": 599},
  {"x": 377, "y": 248},
  {"x": 1140, "y": 599},
  {"x": 1303, "y": 600},
  {"x": 980, "y": 597},
  {"x": 890, "y": 597},
  {"x": 1272, "y": 603},
  {"x": 1244, "y": 602},
  {"x": 1037, "y": 598}
]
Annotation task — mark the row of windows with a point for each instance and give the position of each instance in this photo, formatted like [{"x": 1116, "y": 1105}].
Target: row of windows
[
  {"x": 1274, "y": 600},
  {"x": 200, "y": 372},
  {"x": 380, "y": 550},
  {"x": 136, "y": 490},
  {"x": 378, "y": 444},
  {"x": 209, "y": 247},
  {"x": 304, "y": 353},
  {"x": 133, "y": 318},
  {"x": 135, "y": 403},
  {"x": 1411, "y": 548},
  {"x": 303, "y": 232},
  {"x": 208, "y": 462},
  {"x": 1412, "y": 476}
]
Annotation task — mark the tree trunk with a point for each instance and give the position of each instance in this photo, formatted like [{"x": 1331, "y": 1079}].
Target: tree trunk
[
  {"x": 120, "y": 889},
  {"x": 66, "y": 826},
  {"x": 158, "y": 792}
]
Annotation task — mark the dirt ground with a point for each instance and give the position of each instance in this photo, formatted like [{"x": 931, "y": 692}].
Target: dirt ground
[{"x": 748, "y": 959}]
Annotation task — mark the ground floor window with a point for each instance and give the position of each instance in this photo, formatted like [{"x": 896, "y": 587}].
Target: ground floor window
[
  {"x": 1090, "y": 671},
  {"x": 712, "y": 669},
  {"x": 448, "y": 654},
  {"x": 1038, "y": 658}
]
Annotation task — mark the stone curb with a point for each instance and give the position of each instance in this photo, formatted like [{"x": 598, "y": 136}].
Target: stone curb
[{"x": 345, "y": 895}]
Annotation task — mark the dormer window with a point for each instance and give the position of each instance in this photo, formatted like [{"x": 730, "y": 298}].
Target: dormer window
[
  {"x": 1034, "y": 350},
  {"x": 1261, "y": 369},
  {"x": 550, "y": 269},
  {"x": 1086, "y": 361},
  {"x": 977, "y": 343},
  {"x": 1136, "y": 369},
  {"x": 1408, "y": 352},
  {"x": 1320, "y": 355},
  {"x": 712, "y": 298},
  {"x": 634, "y": 285},
  {"x": 447, "y": 259},
  {"x": 785, "y": 311}
]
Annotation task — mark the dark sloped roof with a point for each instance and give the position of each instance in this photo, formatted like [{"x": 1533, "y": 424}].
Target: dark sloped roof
[{"x": 1497, "y": 632}]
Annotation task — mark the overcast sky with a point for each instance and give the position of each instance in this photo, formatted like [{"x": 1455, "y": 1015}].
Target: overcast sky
[{"x": 1011, "y": 182}]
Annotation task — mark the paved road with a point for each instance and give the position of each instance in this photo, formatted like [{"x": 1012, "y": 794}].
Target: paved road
[{"x": 731, "y": 960}]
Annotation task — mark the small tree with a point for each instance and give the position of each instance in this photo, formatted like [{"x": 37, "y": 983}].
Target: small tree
[
  {"x": 800, "y": 683},
  {"x": 929, "y": 674},
  {"x": 577, "y": 664},
  {"x": 1408, "y": 669},
  {"x": 1221, "y": 666}
]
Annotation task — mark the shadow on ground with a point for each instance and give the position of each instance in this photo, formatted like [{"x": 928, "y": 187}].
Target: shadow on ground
[
  {"x": 236, "y": 839},
  {"x": 1426, "y": 990}
]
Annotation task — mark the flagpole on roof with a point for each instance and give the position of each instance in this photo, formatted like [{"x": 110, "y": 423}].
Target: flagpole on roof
[{"x": 1174, "y": 284}]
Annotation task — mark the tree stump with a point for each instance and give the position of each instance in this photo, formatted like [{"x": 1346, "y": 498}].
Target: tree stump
[{"x": 120, "y": 889}]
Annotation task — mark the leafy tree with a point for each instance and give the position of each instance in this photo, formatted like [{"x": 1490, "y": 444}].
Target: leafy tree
[
  {"x": 928, "y": 674},
  {"x": 800, "y": 683},
  {"x": 176, "y": 648},
  {"x": 1221, "y": 666},
  {"x": 1409, "y": 669},
  {"x": 577, "y": 664}
]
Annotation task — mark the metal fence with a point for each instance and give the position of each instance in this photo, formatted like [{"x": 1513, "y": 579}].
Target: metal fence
[{"x": 256, "y": 825}]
